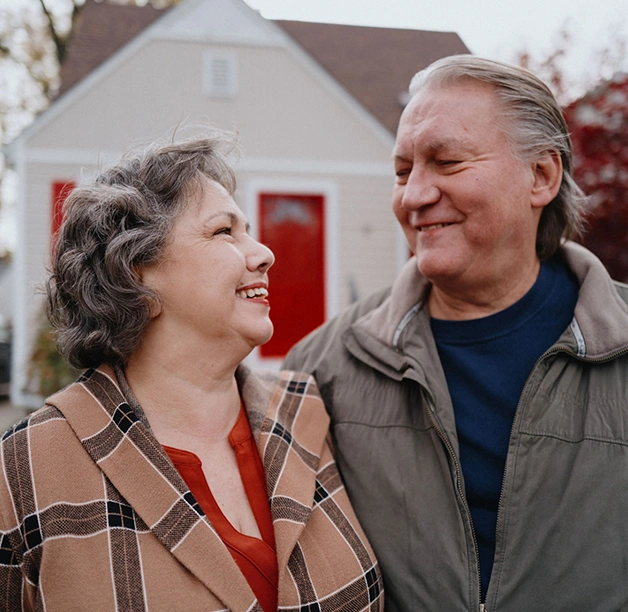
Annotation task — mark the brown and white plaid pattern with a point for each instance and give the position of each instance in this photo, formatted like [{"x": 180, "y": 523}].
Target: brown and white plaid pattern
[{"x": 94, "y": 516}]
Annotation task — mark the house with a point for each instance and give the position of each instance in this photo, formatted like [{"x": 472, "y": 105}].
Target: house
[{"x": 315, "y": 105}]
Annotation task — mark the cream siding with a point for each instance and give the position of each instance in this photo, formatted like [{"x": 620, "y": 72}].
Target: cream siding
[{"x": 277, "y": 102}]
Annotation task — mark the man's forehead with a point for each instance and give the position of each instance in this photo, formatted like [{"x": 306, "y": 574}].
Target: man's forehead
[
  {"x": 436, "y": 96},
  {"x": 439, "y": 117}
]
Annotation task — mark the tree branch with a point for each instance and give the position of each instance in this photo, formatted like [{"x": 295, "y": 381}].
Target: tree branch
[{"x": 58, "y": 40}]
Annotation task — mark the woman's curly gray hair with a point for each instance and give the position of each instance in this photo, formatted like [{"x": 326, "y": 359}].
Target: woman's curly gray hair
[
  {"x": 113, "y": 227},
  {"x": 533, "y": 122}
]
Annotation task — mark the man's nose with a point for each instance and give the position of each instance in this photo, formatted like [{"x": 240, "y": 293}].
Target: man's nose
[{"x": 420, "y": 190}]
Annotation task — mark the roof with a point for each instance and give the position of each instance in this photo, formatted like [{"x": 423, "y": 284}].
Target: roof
[
  {"x": 375, "y": 65},
  {"x": 101, "y": 30},
  {"x": 356, "y": 57}
]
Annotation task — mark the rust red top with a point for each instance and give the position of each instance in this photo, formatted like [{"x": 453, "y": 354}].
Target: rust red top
[{"x": 257, "y": 559}]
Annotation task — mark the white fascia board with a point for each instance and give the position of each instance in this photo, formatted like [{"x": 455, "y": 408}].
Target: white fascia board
[
  {"x": 219, "y": 21},
  {"x": 95, "y": 157},
  {"x": 162, "y": 29},
  {"x": 268, "y": 33}
]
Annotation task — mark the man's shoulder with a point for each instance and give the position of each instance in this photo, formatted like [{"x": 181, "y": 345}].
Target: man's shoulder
[
  {"x": 326, "y": 339},
  {"x": 622, "y": 290}
]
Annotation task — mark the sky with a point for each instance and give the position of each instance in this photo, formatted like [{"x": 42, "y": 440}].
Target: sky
[{"x": 497, "y": 29}]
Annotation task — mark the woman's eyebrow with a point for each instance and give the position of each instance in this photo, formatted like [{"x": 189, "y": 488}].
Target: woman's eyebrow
[{"x": 222, "y": 213}]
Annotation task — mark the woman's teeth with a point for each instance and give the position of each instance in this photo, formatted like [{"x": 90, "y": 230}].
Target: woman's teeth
[{"x": 252, "y": 293}]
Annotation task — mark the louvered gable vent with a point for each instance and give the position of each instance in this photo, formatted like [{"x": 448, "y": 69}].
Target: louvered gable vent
[{"x": 220, "y": 73}]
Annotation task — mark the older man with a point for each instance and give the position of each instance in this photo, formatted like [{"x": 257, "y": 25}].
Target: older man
[{"x": 480, "y": 406}]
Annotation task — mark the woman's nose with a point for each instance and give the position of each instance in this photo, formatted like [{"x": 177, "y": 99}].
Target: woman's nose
[{"x": 260, "y": 257}]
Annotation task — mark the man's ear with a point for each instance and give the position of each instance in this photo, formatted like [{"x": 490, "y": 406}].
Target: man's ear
[{"x": 547, "y": 178}]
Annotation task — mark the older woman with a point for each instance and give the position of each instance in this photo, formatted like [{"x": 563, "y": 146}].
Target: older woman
[{"x": 169, "y": 477}]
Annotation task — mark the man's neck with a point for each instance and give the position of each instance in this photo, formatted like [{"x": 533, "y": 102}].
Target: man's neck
[{"x": 457, "y": 303}]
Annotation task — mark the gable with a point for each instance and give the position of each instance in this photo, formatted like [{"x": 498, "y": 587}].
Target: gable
[{"x": 348, "y": 60}]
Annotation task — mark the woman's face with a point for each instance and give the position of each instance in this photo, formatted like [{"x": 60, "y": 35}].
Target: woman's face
[{"x": 213, "y": 277}]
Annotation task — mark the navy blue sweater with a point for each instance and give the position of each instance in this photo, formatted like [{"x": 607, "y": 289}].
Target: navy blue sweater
[{"x": 487, "y": 362}]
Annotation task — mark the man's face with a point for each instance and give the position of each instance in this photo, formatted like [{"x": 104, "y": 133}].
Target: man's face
[{"x": 462, "y": 198}]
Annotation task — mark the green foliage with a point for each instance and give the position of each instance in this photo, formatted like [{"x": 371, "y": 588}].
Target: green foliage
[{"x": 47, "y": 370}]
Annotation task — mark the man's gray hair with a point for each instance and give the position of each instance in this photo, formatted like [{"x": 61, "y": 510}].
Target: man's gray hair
[
  {"x": 533, "y": 123},
  {"x": 115, "y": 225}
]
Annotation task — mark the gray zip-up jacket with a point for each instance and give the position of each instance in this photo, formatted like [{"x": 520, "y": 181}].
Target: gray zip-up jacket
[{"x": 562, "y": 530}]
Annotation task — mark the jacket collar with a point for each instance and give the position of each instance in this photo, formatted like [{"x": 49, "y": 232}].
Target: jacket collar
[
  {"x": 113, "y": 429},
  {"x": 388, "y": 336},
  {"x": 118, "y": 438},
  {"x": 601, "y": 318},
  {"x": 279, "y": 437}
]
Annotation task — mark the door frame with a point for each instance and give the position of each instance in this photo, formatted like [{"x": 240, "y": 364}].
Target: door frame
[{"x": 328, "y": 189}]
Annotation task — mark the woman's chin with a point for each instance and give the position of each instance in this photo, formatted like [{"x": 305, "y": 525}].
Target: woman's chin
[{"x": 261, "y": 337}]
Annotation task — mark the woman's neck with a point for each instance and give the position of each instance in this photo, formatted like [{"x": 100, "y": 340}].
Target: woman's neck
[{"x": 184, "y": 399}]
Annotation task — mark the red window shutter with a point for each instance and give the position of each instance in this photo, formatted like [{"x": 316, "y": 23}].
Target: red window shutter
[
  {"x": 293, "y": 226},
  {"x": 60, "y": 191}
]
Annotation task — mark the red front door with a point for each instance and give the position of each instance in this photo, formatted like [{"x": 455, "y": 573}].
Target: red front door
[{"x": 293, "y": 226}]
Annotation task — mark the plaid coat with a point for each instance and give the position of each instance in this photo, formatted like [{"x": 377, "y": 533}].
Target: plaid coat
[{"x": 94, "y": 516}]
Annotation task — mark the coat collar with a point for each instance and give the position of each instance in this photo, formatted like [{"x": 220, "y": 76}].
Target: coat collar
[
  {"x": 388, "y": 335},
  {"x": 292, "y": 430},
  {"x": 115, "y": 432}
]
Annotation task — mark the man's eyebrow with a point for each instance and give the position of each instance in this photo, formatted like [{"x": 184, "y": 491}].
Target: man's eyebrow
[
  {"x": 436, "y": 147},
  {"x": 449, "y": 143},
  {"x": 397, "y": 158}
]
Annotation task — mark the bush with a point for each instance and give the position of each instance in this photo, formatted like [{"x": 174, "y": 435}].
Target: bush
[{"x": 48, "y": 371}]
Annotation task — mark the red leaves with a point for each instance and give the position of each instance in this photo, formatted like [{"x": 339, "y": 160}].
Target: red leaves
[{"x": 599, "y": 131}]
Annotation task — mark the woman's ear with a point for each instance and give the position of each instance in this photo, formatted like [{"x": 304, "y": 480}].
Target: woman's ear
[
  {"x": 154, "y": 305},
  {"x": 143, "y": 277},
  {"x": 547, "y": 178}
]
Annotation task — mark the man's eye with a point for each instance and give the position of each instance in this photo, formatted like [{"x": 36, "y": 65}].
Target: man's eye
[
  {"x": 447, "y": 162},
  {"x": 223, "y": 230}
]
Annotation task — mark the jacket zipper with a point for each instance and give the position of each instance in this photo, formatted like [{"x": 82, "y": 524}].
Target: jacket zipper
[
  {"x": 457, "y": 468},
  {"x": 461, "y": 493},
  {"x": 552, "y": 351}
]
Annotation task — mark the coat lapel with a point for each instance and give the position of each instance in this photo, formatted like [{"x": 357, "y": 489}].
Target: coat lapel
[
  {"x": 290, "y": 428},
  {"x": 119, "y": 440}
]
